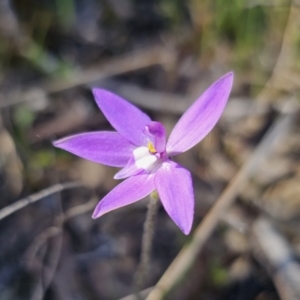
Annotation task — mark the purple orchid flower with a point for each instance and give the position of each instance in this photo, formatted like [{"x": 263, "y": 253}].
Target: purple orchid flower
[{"x": 140, "y": 147}]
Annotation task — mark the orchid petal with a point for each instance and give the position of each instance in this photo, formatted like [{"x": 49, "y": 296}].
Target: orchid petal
[
  {"x": 175, "y": 189},
  {"x": 129, "y": 191},
  {"x": 201, "y": 117},
  {"x": 141, "y": 161},
  {"x": 129, "y": 170},
  {"x": 108, "y": 148},
  {"x": 126, "y": 118}
]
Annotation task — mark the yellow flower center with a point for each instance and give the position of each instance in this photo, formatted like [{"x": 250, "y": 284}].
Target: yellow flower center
[{"x": 151, "y": 148}]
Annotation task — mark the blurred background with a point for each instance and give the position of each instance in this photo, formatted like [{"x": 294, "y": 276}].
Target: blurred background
[{"x": 160, "y": 55}]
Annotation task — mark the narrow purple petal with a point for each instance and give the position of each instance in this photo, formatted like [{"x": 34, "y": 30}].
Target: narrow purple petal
[
  {"x": 175, "y": 189},
  {"x": 129, "y": 191},
  {"x": 108, "y": 148},
  {"x": 130, "y": 169},
  {"x": 157, "y": 133},
  {"x": 140, "y": 161},
  {"x": 127, "y": 119},
  {"x": 201, "y": 117}
]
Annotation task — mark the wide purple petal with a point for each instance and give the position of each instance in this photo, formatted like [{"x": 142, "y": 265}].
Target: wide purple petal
[
  {"x": 130, "y": 190},
  {"x": 108, "y": 148},
  {"x": 127, "y": 119},
  {"x": 201, "y": 117},
  {"x": 175, "y": 189}
]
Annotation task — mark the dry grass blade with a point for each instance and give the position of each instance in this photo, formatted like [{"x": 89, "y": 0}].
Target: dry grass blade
[
  {"x": 136, "y": 60},
  {"x": 53, "y": 231},
  {"x": 8, "y": 210},
  {"x": 142, "y": 294},
  {"x": 280, "y": 78},
  {"x": 129, "y": 62},
  {"x": 187, "y": 255},
  {"x": 48, "y": 271},
  {"x": 275, "y": 255}
]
